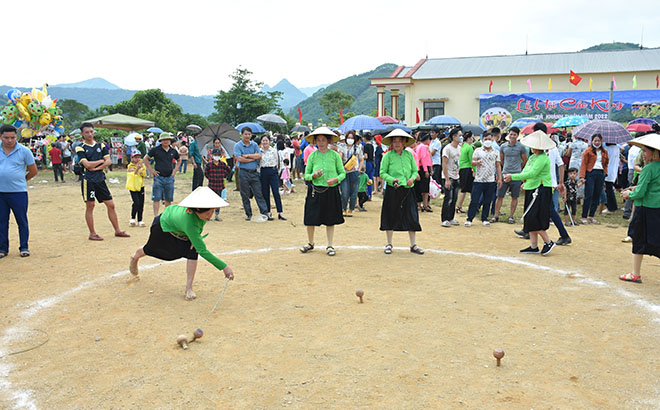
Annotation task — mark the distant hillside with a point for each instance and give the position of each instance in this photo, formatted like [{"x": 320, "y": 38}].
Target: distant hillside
[
  {"x": 612, "y": 47},
  {"x": 359, "y": 87},
  {"x": 91, "y": 83},
  {"x": 291, "y": 95},
  {"x": 309, "y": 91}
]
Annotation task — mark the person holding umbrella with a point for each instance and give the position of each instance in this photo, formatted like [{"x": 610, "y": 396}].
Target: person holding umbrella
[
  {"x": 399, "y": 171},
  {"x": 324, "y": 172},
  {"x": 538, "y": 191},
  {"x": 646, "y": 196},
  {"x": 592, "y": 174}
]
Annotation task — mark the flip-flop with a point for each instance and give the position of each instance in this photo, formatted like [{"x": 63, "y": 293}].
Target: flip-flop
[
  {"x": 95, "y": 237},
  {"x": 630, "y": 277}
]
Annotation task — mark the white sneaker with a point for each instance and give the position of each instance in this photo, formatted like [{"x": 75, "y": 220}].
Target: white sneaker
[
  {"x": 454, "y": 222},
  {"x": 260, "y": 218},
  {"x": 446, "y": 224},
  {"x": 132, "y": 222},
  {"x": 142, "y": 224},
  {"x": 467, "y": 223},
  {"x": 485, "y": 223}
]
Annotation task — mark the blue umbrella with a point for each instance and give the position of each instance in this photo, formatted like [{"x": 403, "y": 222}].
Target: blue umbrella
[
  {"x": 443, "y": 120},
  {"x": 256, "y": 128},
  {"x": 646, "y": 121},
  {"x": 361, "y": 122},
  {"x": 522, "y": 122},
  {"x": 570, "y": 121},
  {"x": 155, "y": 130}
]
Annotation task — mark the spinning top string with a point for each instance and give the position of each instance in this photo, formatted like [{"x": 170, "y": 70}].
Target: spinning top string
[{"x": 216, "y": 303}]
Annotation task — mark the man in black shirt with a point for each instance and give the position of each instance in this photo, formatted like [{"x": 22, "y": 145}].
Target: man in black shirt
[
  {"x": 94, "y": 157},
  {"x": 166, "y": 162},
  {"x": 370, "y": 166}
]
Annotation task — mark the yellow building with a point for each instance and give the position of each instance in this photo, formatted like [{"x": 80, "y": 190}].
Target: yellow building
[{"x": 457, "y": 86}]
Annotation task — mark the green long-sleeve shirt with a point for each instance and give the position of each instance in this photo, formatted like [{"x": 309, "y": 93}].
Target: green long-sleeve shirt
[
  {"x": 329, "y": 162},
  {"x": 647, "y": 192},
  {"x": 535, "y": 173},
  {"x": 175, "y": 219},
  {"x": 398, "y": 166},
  {"x": 465, "y": 160}
]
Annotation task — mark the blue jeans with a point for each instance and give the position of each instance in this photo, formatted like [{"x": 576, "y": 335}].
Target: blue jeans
[
  {"x": 479, "y": 190},
  {"x": 370, "y": 168},
  {"x": 555, "y": 199},
  {"x": 593, "y": 187},
  {"x": 349, "y": 189},
  {"x": 17, "y": 203},
  {"x": 184, "y": 165},
  {"x": 554, "y": 215},
  {"x": 270, "y": 182},
  {"x": 163, "y": 189}
]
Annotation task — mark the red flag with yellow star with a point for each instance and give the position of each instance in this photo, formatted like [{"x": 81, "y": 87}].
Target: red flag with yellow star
[{"x": 574, "y": 78}]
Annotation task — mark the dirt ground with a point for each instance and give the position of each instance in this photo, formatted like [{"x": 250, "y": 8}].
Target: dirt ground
[{"x": 290, "y": 332}]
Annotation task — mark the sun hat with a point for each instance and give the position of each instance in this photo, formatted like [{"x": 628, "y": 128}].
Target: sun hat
[
  {"x": 166, "y": 136},
  {"x": 408, "y": 139},
  {"x": 322, "y": 131},
  {"x": 203, "y": 197},
  {"x": 648, "y": 140},
  {"x": 538, "y": 140},
  {"x": 151, "y": 134}
]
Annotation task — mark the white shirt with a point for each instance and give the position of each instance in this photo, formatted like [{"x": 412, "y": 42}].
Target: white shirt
[
  {"x": 614, "y": 154},
  {"x": 437, "y": 146},
  {"x": 599, "y": 160},
  {"x": 555, "y": 162},
  {"x": 633, "y": 152},
  {"x": 269, "y": 159}
]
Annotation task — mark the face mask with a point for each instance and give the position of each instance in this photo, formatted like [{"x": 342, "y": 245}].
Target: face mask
[
  {"x": 488, "y": 144},
  {"x": 460, "y": 140},
  {"x": 350, "y": 141},
  {"x": 596, "y": 146},
  {"x": 216, "y": 158}
]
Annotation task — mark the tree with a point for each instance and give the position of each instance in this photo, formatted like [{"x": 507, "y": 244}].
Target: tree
[
  {"x": 152, "y": 105},
  {"x": 74, "y": 112},
  {"x": 244, "y": 101},
  {"x": 336, "y": 100}
]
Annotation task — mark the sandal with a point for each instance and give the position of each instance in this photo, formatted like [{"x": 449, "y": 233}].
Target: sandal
[
  {"x": 307, "y": 248},
  {"x": 584, "y": 221},
  {"x": 330, "y": 251},
  {"x": 95, "y": 237},
  {"x": 388, "y": 249},
  {"x": 24, "y": 253},
  {"x": 630, "y": 277},
  {"x": 512, "y": 220},
  {"x": 460, "y": 210},
  {"x": 122, "y": 234},
  {"x": 416, "y": 249},
  {"x": 428, "y": 209},
  {"x": 494, "y": 219}
]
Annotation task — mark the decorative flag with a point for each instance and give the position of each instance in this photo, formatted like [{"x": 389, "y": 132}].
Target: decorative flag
[
  {"x": 591, "y": 84},
  {"x": 384, "y": 110},
  {"x": 529, "y": 83},
  {"x": 549, "y": 84},
  {"x": 574, "y": 78},
  {"x": 657, "y": 81},
  {"x": 341, "y": 116},
  {"x": 299, "y": 115},
  {"x": 417, "y": 115},
  {"x": 634, "y": 81},
  {"x": 490, "y": 86},
  {"x": 614, "y": 82},
  {"x": 509, "y": 85}
]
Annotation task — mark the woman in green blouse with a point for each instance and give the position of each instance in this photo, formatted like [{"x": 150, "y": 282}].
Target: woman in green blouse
[
  {"x": 538, "y": 191},
  {"x": 325, "y": 171},
  {"x": 399, "y": 170},
  {"x": 644, "y": 229}
]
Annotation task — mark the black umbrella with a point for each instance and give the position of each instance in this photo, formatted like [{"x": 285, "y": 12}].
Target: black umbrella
[
  {"x": 300, "y": 128},
  {"x": 476, "y": 130},
  {"x": 228, "y": 135}
]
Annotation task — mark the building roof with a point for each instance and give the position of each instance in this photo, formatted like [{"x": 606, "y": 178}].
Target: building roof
[{"x": 540, "y": 64}]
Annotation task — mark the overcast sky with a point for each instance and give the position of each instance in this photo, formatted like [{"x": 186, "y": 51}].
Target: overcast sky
[{"x": 190, "y": 47}]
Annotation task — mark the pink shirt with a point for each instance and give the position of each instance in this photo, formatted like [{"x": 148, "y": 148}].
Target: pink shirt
[
  {"x": 285, "y": 174},
  {"x": 424, "y": 158},
  {"x": 308, "y": 150}
]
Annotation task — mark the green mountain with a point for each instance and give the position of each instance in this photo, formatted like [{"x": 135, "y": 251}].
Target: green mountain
[
  {"x": 612, "y": 47},
  {"x": 359, "y": 87}
]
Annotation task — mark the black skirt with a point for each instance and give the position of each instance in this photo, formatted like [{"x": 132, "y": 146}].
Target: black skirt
[
  {"x": 399, "y": 211},
  {"x": 537, "y": 211},
  {"x": 422, "y": 186},
  {"x": 165, "y": 246},
  {"x": 323, "y": 206},
  {"x": 645, "y": 231}
]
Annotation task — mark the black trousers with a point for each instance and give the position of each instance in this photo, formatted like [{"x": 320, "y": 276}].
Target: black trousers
[
  {"x": 198, "y": 177},
  {"x": 362, "y": 198},
  {"x": 611, "y": 196},
  {"x": 138, "y": 204},
  {"x": 57, "y": 170}
]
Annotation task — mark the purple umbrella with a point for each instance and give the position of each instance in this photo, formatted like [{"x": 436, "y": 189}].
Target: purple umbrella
[
  {"x": 612, "y": 132},
  {"x": 646, "y": 121}
]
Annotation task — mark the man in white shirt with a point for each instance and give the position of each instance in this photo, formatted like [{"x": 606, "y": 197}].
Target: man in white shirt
[
  {"x": 435, "y": 149},
  {"x": 614, "y": 153}
]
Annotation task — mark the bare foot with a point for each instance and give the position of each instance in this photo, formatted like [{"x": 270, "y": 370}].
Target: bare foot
[
  {"x": 133, "y": 266},
  {"x": 190, "y": 295}
]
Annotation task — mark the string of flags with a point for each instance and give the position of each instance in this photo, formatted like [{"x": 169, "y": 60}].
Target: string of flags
[{"x": 575, "y": 79}]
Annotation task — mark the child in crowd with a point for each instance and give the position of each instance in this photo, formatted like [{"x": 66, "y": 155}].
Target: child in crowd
[
  {"x": 570, "y": 196},
  {"x": 135, "y": 173},
  {"x": 56, "y": 161},
  {"x": 362, "y": 190},
  {"x": 216, "y": 171},
  {"x": 285, "y": 176}
]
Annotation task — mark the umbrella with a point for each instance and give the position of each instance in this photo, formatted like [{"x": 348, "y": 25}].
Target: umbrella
[
  {"x": 529, "y": 128},
  {"x": 639, "y": 127},
  {"x": 300, "y": 128},
  {"x": 255, "y": 127},
  {"x": 75, "y": 132},
  {"x": 443, "y": 120},
  {"x": 522, "y": 122},
  {"x": 391, "y": 127},
  {"x": 475, "y": 129},
  {"x": 155, "y": 130},
  {"x": 194, "y": 128},
  {"x": 129, "y": 140},
  {"x": 228, "y": 137},
  {"x": 386, "y": 119},
  {"x": 361, "y": 122},
  {"x": 643, "y": 121},
  {"x": 271, "y": 119},
  {"x": 570, "y": 121},
  {"x": 612, "y": 132},
  {"x": 121, "y": 122}
]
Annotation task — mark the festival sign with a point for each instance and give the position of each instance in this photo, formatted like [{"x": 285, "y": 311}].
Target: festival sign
[{"x": 500, "y": 110}]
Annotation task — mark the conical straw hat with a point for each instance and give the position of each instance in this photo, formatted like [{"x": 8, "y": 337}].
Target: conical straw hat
[
  {"x": 408, "y": 139},
  {"x": 203, "y": 197},
  {"x": 332, "y": 137},
  {"x": 538, "y": 140},
  {"x": 648, "y": 140}
]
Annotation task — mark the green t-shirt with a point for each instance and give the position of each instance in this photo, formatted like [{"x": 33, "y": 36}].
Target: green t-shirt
[
  {"x": 535, "y": 173},
  {"x": 329, "y": 162},
  {"x": 364, "y": 178},
  {"x": 402, "y": 167},
  {"x": 647, "y": 192},
  {"x": 465, "y": 160}
]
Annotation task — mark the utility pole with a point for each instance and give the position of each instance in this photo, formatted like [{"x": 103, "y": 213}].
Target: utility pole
[{"x": 609, "y": 107}]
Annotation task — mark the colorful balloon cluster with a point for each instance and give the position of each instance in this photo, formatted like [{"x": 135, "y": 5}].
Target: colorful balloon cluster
[{"x": 33, "y": 112}]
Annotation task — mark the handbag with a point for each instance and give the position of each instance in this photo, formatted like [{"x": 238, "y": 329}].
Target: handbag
[
  {"x": 350, "y": 164},
  {"x": 434, "y": 189}
]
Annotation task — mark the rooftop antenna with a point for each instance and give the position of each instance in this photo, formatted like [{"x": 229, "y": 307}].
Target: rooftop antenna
[
  {"x": 641, "y": 41},
  {"x": 526, "y": 43}
]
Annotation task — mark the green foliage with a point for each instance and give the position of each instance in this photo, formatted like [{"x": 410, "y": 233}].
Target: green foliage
[
  {"x": 74, "y": 112},
  {"x": 335, "y": 119},
  {"x": 244, "y": 101},
  {"x": 613, "y": 46},
  {"x": 335, "y": 100}
]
